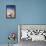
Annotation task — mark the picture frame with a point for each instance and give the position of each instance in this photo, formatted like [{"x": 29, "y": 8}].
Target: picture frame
[
  {"x": 34, "y": 32},
  {"x": 10, "y": 11}
]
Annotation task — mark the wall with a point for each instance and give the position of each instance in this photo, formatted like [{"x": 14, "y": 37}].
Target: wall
[
  {"x": 31, "y": 11},
  {"x": 27, "y": 12},
  {"x": 6, "y": 25}
]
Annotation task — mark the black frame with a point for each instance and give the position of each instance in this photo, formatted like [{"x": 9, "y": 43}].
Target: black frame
[{"x": 12, "y": 7}]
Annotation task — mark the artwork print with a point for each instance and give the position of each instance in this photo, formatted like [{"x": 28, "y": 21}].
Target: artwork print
[{"x": 10, "y": 11}]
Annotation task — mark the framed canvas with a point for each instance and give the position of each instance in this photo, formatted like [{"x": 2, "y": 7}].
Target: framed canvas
[
  {"x": 10, "y": 11},
  {"x": 33, "y": 32}
]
